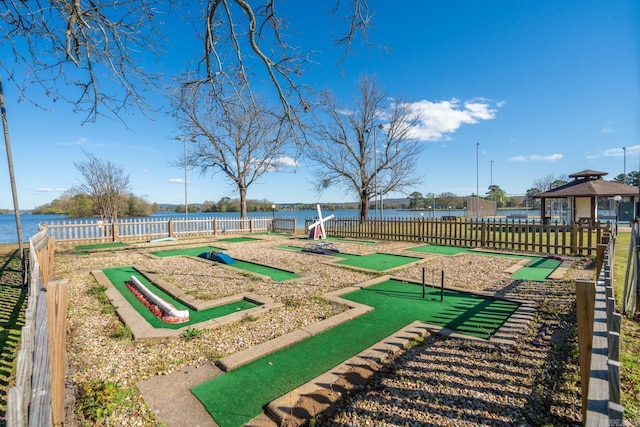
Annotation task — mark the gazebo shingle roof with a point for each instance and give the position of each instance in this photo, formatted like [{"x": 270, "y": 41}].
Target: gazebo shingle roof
[{"x": 589, "y": 183}]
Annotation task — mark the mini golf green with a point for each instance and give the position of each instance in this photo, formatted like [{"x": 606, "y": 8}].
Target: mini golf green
[
  {"x": 238, "y": 239},
  {"x": 291, "y": 248},
  {"x": 537, "y": 270},
  {"x": 186, "y": 251},
  {"x": 396, "y": 305},
  {"x": 275, "y": 274},
  {"x": 118, "y": 276},
  {"x": 99, "y": 246},
  {"x": 342, "y": 239},
  {"x": 377, "y": 262}
]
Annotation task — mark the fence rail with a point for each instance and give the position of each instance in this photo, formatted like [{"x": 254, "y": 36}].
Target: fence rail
[
  {"x": 599, "y": 344},
  {"x": 37, "y": 399},
  {"x": 516, "y": 235},
  {"x": 631, "y": 291},
  {"x": 153, "y": 228}
]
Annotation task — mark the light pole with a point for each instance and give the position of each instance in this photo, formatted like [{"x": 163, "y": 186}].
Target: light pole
[
  {"x": 491, "y": 181},
  {"x": 495, "y": 205},
  {"x": 273, "y": 217},
  {"x": 617, "y": 199},
  {"x": 477, "y": 181},
  {"x": 375, "y": 171},
  {"x": 624, "y": 166},
  {"x": 186, "y": 204}
]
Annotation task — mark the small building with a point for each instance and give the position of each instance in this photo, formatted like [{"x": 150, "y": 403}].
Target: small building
[{"x": 583, "y": 193}]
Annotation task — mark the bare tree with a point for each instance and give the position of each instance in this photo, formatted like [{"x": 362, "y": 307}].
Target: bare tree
[
  {"x": 106, "y": 183},
  {"x": 367, "y": 150},
  {"x": 246, "y": 42},
  {"x": 75, "y": 51},
  {"x": 88, "y": 53},
  {"x": 550, "y": 181},
  {"x": 243, "y": 140}
]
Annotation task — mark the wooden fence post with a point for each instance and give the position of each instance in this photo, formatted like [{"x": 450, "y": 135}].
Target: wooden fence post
[
  {"x": 574, "y": 238},
  {"x": 57, "y": 316},
  {"x": 585, "y": 305}
]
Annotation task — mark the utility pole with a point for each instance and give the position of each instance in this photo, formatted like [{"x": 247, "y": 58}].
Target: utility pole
[
  {"x": 12, "y": 178},
  {"x": 477, "y": 181}
]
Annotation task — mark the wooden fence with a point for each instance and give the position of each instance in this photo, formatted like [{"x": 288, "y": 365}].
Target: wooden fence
[
  {"x": 153, "y": 228},
  {"x": 599, "y": 344},
  {"x": 514, "y": 235},
  {"x": 631, "y": 292},
  {"x": 37, "y": 399}
]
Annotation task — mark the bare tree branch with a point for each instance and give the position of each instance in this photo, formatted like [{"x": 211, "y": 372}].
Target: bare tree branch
[
  {"x": 240, "y": 138},
  {"x": 82, "y": 52},
  {"x": 106, "y": 183},
  {"x": 367, "y": 150}
]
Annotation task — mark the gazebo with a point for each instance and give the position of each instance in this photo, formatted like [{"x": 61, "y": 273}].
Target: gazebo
[{"x": 583, "y": 193}]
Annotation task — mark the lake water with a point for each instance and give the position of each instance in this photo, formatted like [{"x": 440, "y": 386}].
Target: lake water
[{"x": 30, "y": 222}]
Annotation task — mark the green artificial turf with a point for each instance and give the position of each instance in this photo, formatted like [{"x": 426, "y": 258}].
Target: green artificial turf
[
  {"x": 291, "y": 248},
  {"x": 186, "y": 251},
  {"x": 118, "y": 276},
  {"x": 537, "y": 270},
  {"x": 274, "y": 273},
  {"x": 396, "y": 305},
  {"x": 99, "y": 246},
  {"x": 238, "y": 239},
  {"x": 440, "y": 250},
  {"x": 377, "y": 262},
  {"x": 342, "y": 239}
]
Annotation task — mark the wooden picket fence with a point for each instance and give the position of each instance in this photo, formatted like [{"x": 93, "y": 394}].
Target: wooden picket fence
[
  {"x": 128, "y": 229},
  {"x": 599, "y": 343},
  {"x": 513, "y": 235},
  {"x": 631, "y": 291},
  {"x": 37, "y": 399}
]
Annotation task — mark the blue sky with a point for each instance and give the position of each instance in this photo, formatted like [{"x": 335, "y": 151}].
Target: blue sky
[{"x": 543, "y": 87}]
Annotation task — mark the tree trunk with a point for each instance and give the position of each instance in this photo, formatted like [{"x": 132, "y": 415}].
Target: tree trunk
[
  {"x": 364, "y": 206},
  {"x": 243, "y": 201}
]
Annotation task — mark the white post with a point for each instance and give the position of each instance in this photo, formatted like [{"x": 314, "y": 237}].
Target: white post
[{"x": 186, "y": 204}]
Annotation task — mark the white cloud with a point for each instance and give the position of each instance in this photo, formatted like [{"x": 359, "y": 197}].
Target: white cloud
[
  {"x": 440, "y": 119},
  {"x": 537, "y": 158},
  {"x": 286, "y": 161},
  {"x": 79, "y": 141},
  {"x": 50, "y": 190},
  {"x": 632, "y": 151},
  {"x": 177, "y": 180},
  {"x": 608, "y": 128}
]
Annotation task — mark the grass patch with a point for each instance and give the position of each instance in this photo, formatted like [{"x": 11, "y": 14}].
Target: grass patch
[
  {"x": 14, "y": 303},
  {"x": 99, "y": 398},
  {"x": 630, "y": 335},
  {"x": 98, "y": 292}
]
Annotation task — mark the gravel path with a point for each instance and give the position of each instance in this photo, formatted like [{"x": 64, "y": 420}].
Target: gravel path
[{"x": 440, "y": 382}]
